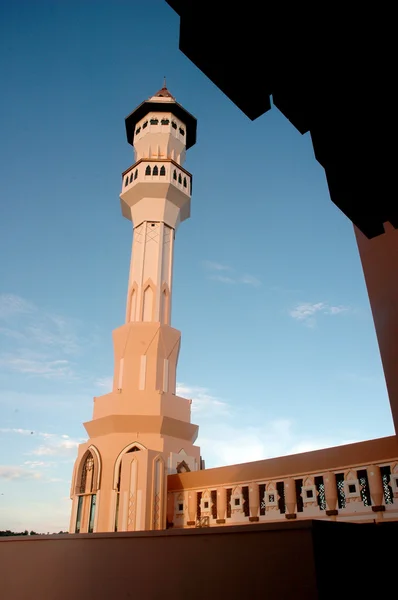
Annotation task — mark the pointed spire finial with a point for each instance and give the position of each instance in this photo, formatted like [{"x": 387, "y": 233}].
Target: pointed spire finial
[{"x": 164, "y": 82}]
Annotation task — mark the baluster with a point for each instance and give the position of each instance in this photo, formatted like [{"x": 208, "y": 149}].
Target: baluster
[{"x": 254, "y": 502}]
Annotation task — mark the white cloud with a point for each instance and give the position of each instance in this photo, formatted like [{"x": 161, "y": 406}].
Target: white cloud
[
  {"x": 336, "y": 310},
  {"x": 11, "y": 305},
  {"x": 57, "y": 446},
  {"x": 225, "y": 438},
  {"x": 215, "y": 266},
  {"x": 249, "y": 280},
  {"x": 40, "y": 343},
  {"x": 202, "y": 401},
  {"x": 54, "y": 444},
  {"x": 48, "y": 369},
  {"x": 306, "y": 311},
  {"x": 105, "y": 383},
  {"x": 233, "y": 277},
  {"x": 223, "y": 445},
  {"x": 19, "y": 473},
  {"x": 16, "y": 430},
  {"x": 39, "y": 464},
  {"x": 223, "y": 278}
]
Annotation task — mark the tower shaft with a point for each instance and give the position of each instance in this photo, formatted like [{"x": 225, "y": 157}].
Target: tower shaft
[{"x": 141, "y": 431}]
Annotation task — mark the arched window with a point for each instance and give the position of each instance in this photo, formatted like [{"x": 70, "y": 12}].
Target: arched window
[
  {"x": 182, "y": 131},
  {"x": 165, "y": 121},
  {"x": 179, "y": 178},
  {"x": 174, "y": 125},
  {"x": 154, "y": 121},
  {"x": 185, "y": 182},
  {"x": 137, "y": 130},
  {"x": 175, "y": 174},
  {"x": 86, "y": 479},
  {"x": 145, "y": 125},
  {"x": 162, "y": 171},
  {"x": 136, "y": 174},
  {"x": 131, "y": 176},
  {"x": 126, "y": 181},
  {"x": 148, "y": 170},
  {"x": 155, "y": 170}
]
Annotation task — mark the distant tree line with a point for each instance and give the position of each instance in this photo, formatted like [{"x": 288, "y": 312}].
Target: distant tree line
[{"x": 9, "y": 533}]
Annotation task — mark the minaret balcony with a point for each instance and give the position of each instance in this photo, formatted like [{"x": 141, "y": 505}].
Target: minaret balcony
[
  {"x": 151, "y": 179},
  {"x": 157, "y": 170}
]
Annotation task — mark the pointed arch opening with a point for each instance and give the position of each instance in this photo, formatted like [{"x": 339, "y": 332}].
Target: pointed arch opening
[
  {"x": 164, "y": 306},
  {"x": 132, "y": 313},
  {"x": 162, "y": 171},
  {"x": 147, "y": 303},
  {"x": 155, "y": 170},
  {"x": 148, "y": 170},
  {"x": 117, "y": 478},
  {"x": 118, "y": 462},
  {"x": 158, "y": 493}
]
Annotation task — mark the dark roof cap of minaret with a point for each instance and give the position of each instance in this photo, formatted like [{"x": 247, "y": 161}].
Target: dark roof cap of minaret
[
  {"x": 164, "y": 92},
  {"x": 170, "y": 105}
]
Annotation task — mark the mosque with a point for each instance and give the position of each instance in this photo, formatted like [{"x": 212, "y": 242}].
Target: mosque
[{"x": 140, "y": 468}]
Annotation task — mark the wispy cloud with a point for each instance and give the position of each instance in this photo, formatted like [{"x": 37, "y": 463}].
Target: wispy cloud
[
  {"x": 215, "y": 266},
  {"x": 11, "y": 305},
  {"x": 58, "y": 446},
  {"x": 20, "y": 431},
  {"x": 105, "y": 383},
  {"x": 215, "y": 272},
  {"x": 38, "y": 464},
  {"x": 203, "y": 402},
  {"x": 223, "y": 278},
  {"x": 40, "y": 343},
  {"x": 54, "y": 444},
  {"x": 249, "y": 280},
  {"x": 306, "y": 312},
  {"x": 228, "y": 444},
  {"x": 14, "y": 472},
  {"x": 16, "y": 430},
  {"x": 39, "y": 366},
  {"x": 225, "y": 437}
]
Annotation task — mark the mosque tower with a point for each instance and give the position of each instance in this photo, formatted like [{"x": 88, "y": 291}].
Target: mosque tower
[{"x": 141, "y": 431}]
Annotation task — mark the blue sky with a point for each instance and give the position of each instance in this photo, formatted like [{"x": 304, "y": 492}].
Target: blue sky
[{"x": 278, "y": 350}]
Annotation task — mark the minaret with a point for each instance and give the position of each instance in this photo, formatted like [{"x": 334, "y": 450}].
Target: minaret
[{"x": 141, "y": 431}]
